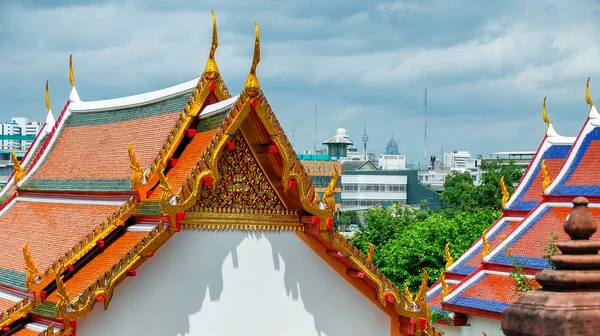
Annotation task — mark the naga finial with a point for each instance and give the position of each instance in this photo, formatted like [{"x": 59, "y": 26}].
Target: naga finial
[
  {"x": 445, "y": 288},
  {"x": 252, "y": 86},
  {"x": 164, "y": 185},
  {"x": 505, "y": 194},
  {"x": 545, "y": 115},
  {"x": 409, "y": 296},
  {"x": 330, "y": 190},
  {"x": 422, "y": 293},
  {"x": 546, "y": 177},
  {"x": 31, "y": 270},
  {"x": 449, "y": 260},
  {"x": 61, "y": 291},
  {"x": 486, "y": 246},
  {"x": 588, "y": 98},
  {"x": 17, "y": 166},
  {"x": 211, "y": 71},
  {"x": 71, "y": 75},
  {"x": 47, "y": 98},
  {"x": 371, "y": 253},
  {"x": 136, "y": 167}
]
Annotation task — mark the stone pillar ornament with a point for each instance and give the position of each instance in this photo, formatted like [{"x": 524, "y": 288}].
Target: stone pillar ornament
[{"x": 569, "y": 301}]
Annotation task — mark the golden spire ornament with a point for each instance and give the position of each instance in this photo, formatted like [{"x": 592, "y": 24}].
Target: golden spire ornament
[
  {"x": 409, "y": 296},
  {"x": 486, "y": 246},
  {"x": 588, "y": 98},
  {"x": 371, "y": 253},
  {"x": 545, "y": 115},
  {"x": 31, "y": 270},
  {"x": 252, "y": 86},
  {"x": 422, "y": 293},
  {"x": 136, "y": 167},
  {"x": 211, "y": 71},
  {"x": 47, "y": 98},
  {"x": 505, "y": 195},
  {"x": 71, "y": 75},
  {"x": 546, "y": 177},
  {"x": 17, "y": 166},
  {"x": 449, "y": 260},
  {"x": 445, "y": 288}
]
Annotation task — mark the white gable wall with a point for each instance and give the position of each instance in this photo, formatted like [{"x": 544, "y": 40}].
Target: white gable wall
[{"x": 236, "y": 283}]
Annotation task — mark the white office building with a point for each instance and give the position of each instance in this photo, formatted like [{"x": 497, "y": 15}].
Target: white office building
[
  {"x": 18, "y": 133},
  {"x": 360, "y": 192}
]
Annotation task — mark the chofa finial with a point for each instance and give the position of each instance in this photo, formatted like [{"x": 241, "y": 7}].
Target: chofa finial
[
  {"x": 252, "y": 86},
  {"x": 588, "y": 99},
  {"x": 71, "y": 75},
  {"x": 544, "y": 114},
  {"x": 47, "y": 98},
  {"x": 211, "y": 71}
]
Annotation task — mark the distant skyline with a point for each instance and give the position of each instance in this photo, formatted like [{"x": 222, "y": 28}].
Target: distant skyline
[{"x": 487, "y": 65}]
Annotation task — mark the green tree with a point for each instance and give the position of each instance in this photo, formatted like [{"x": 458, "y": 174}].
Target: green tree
[{"x": 344, "y": 219}]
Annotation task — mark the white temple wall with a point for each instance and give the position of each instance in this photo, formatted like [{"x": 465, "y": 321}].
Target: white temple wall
[
  {"x": 236, "y": 283},
  {"x": 477, "y": 326}
]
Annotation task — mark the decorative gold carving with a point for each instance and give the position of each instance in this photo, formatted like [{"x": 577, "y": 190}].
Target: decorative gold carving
[
  {"x": 371, "y": 253},
  {"x": 136, "y": 167},
  {"x": 449, "y": 260},
  {"x": 505, "y": 195},
  {"x": 330, "y": 190},
  {"x": 422, "y": 293},
  {"x": 546, "y": 177},
  {"x": 102, "y": 289},
  {"x": 47, "y": 98},
  {"x": 164, "y": 185},
  {"x": 242, "y": 185},
  {"x": 17, "y": 311},
  {"x": 588, "y": 98},
  {"x": 61, "y": 292},
  {"x": 50, "y": 331},
  {"x": 545, "y": 115},
  {"x": 19, "y": 172},
  {"x": 252, "y": 86},
  {"x": 409, "y": 296},
  {"x": 211, "y": 71},
  {"x": 71, "y": 75},
  {"x": 486, "y": 246},
  {"x": 33, "y": 275},
  {"x": 445, "y": 288}
]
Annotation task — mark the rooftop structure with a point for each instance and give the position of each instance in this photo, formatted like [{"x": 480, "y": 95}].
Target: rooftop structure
[
  {"x": 337, "y": 145},
  {"x": 185, "y": 207},
  {"x": 560, "y": 169}
]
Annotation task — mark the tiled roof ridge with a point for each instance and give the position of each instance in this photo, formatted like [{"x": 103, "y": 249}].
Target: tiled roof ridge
[{"x": 17, "y": 311}]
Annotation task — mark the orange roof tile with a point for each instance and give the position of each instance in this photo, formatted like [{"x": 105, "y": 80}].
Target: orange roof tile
[
  {"x": 100, "y": 151},
  {"x": 187, "y": 160},
  {"x": 51, "y": 229},
  {"x": 535, "y": 192},
  {"x": 100, "y": 263},
  {"x": 5, "y": 304},
  {"x": 26, "y": 332}
]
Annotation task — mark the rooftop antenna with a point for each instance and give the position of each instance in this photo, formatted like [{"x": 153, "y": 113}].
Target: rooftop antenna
[
  {"x": 315, "y": 139},
  {"x": 425, "y": 137},
  {"x": 365, "y": 139}
]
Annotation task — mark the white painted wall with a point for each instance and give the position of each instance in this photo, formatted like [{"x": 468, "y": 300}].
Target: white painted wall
[
  {"x": 477, "y": 326},
  {"x": 236, "y": 283}
]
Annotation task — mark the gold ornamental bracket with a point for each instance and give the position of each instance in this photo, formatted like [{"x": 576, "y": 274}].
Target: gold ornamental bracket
[
  {"x": 546, "y": 178},
  {"x": 505, "y": 194},
  {"x": 19, "y": 172},
  {"x": 449, "y": 260},
  {"x": 485, "y": 245},
  {"x": 445, "y": 288},
  {"x": 137, "y": 171},
  {"x": 330, "y": 190}
]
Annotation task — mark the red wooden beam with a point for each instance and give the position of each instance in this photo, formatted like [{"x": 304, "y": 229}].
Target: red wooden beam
[
  {"x": 267, "y": 149},
  {"x": 191, "y": 132},
  {"x": 355, "y": 274},
  {"x": 335, "y": 254}
]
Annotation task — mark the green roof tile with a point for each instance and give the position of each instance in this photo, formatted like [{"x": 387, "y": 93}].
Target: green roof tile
[
  {"x": 148, "y": 208},
  {"x": 79, "y": 185},
  {"x": 46, "y": 308},
  {"x": 12, "y": 279},
  {"x": 211, "y": 122}
]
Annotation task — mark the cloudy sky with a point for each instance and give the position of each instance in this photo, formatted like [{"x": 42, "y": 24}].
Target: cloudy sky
[{"x": 487, "y": 64}]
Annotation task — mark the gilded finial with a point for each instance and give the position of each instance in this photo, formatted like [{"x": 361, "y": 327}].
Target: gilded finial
[
  {"x": 61, "y": 291},
  {"x": 317, "y": 198},
  {"x": 545, "y": 115},
  {"x": 445, "y": 288},
  {"x": 31, "y": 270},
  {"x": 422, "y": 293},
  {"x": 505, "y": 195},
  {"x": 164, "y": 185},
  {"x": 47, "y": 98},
  {"x": 546, "y": 177},
  {"x": 449, "y": 260},
  {"x": 136, "y": 167},
  {"x": 330, "y": 190},
  {"x": 486, "y": 246},
  {"x": 211, "y": 71},
  {"x": 371, "y": 253},
  {"x": 252, "y": 86},
  {"x": 17, "y": 166},
  {"x": 71, "y": 75},
  {"x": 588, "y": 98},
  {"x": 409, "y": 296}
]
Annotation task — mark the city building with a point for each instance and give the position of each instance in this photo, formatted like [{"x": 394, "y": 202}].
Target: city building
[
  {"x": 337, "y": 145},
  {"x": 18, "y": 134},
  {"x": 521, "y": 159},
  {"x": 209, "y": 226},
  {"x": 320, "y": 169},
  {"x": 480, "y": 285}
]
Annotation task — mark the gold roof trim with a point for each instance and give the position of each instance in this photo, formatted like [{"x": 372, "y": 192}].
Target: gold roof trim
[
  {"x": 486, "y": 246},
  {"x": 371, "y": 253},
  {"x": 330, "y": 190},
  {"x": 546, "y": 177},
  {"x": 252, "y": 86},
  {"x": 19, "y": 172},
  {"x": 445, "y": 288},
  {"x": 588, "y": 98},
  {"x": 71, "y": 75},
  {"x": 211, "y": 71},
  {"x": 136, "y": 168},
  {"x": 33, "y": 275},
  {"x": 505, "y": 194},
  {"x": 449, "y": 260},
  {"x": 16, "y": 312}
]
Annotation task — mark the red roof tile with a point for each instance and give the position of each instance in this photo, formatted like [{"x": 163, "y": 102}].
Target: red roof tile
[
  {"x": 100, "y": 151},
  {"x": 535, "y": 193},
  {"x": 25, "y": 332},
  {"x": 51, "y": 229},
  {"x": 5, "y": 304},
  {"x": 476, "y": 260},
  {"x": 100, "y": 263}
]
